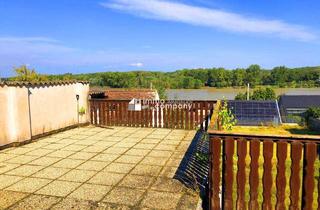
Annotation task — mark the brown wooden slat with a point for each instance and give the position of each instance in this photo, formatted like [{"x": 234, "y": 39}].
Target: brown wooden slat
[
  {"x": 267, "y": 174},
  {"x": 100, "y": 113},
  {"x": 281, "y": 174},
  {"x": 296, "y": 151},
  {"x": 254, "y": 174},
  {"x": 182, "y": 118},
  {"x": 170, "y": 118},
  {"x": 241, "y": 175},
  {"x": 192, "y": 116},
  {"x": 196, "y": 110},
  {"x": 228, "y": 173},
  {"x": 160, "y": 117},
  {"x": 95, "y": 113},
  {"x": 91, "y": 112},
  {"x": 201, "y": 112},
  {"x": 310, "y": 155},
  {"x": 155, "y": 113},
  {"x": 187, "y": 119},
  {"x": 176, "y": 117},
  {"x": 215, "y": 151}
]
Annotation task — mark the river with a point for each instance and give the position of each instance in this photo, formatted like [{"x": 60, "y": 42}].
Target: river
[{"x": 229, "y": 93}]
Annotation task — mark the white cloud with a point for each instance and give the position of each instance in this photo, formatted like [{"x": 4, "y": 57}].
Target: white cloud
[
  {"x": 216, "y": 18},
  {"x": 139, "y": 64}
]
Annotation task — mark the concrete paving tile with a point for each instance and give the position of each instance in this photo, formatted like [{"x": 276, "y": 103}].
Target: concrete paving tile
[
  {"x": 39, "y": 152},
  {"x": 131, "y": 140},
  {"x": 36, "y": 144},
  {"x": 105, "y": 157},
  {"x": 113, "y": 138},
  {"x": 146, "y": 170},
  {"x": 138, "y": 152},
  {"x": 121, "y": 134},
  {"x": 7, "y": 180},
  {"x": 51, "y": 173},
  {"x": 125, "y": 144},
  {"x": 44, "y": 161},
  {"x": 71, "y": 203},
  {"x": 125, "y": 196},
  {"x": 4, "y": 167},
  {"x": 150, "y": 141},
  {"x": 76, "y": 175},
  {"x": 160, "y": 153},
  {"x": 129, "y": 159},
  {"x": 104, "y": 144},
  {"x": 119, "y": 167},
  {"x": 188, "y": 202},
  {"x": 8, "y": 198},
  {"x": 86, "y": 142},
  {"x": 167, "y": 184},
  {"x": 78, "y": 137},
  {"x": 91, "y": 192},
  {"x": 25, "y": 170},
  {"x": 68, "y": 141},
  {"x": 19, "y": 150},
  {"x": 60, "y": 154},
  {"x": 111, "y": 206},
  {"x": 68, "y": 163},
  {"x": 106, "y": 178},
  {"x": 93, "y": 165},
  {"x": 59, "y": 188},
  {"x": 136, "y": 181},
  {"x": 115, "y": 150},
  {"x": 95, "y": 149},
  {"x": 54, "y": 146},
  {"x": 50, "y": 139},
  {"x": 156, "y": 136},
  {"x": 28, "y": 185},
  {"x": 5, "y": 156},
  {"x": 170, "y": 142},
  {"x": 82, "y": 155},
  {"x": 74, "y": 147},
  {"x": 174, "y": 162},
  {"x": 161, "y": 200},
  {"x": 168, "y": 172},
  {"x": 36, "y": 202},
  {"x": 144, "y": 146},
  {"x": 22, "y": 159},
  {"x": 157, "y": 161},
  {"x": 165, "y": 147}
]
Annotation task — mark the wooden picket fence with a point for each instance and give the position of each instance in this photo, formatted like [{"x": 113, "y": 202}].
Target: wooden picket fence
[
  {"x": 263, "y": 172},
  {"x": 154, "y": 113}
]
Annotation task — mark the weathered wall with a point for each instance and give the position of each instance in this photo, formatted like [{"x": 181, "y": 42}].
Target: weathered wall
[{"x": 52, "y": 107}]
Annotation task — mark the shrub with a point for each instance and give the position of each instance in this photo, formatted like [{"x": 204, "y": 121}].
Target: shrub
[
  {"x": 313, "y": 112},
  {"x": 226, "y": 117}
]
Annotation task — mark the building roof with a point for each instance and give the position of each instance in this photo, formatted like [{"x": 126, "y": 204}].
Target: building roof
[
  {"x": 125, "y": 94},
  {"x": 299, "y": 101},
  {"x": 40, "y": 83}
]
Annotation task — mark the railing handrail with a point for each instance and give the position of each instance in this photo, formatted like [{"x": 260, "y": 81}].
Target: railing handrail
[
  {"x": 272, "y": 137},
  {"x": 166, "y": 100}
]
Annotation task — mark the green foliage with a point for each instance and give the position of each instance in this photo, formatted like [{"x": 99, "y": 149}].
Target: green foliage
[
  {"x": 194, "y": 78},
  {"x": 313, "y": 112},
  {"x": 82, "y": 111},
  {"x": 30, "y": 75},
  {"x": 226, "y": 117},
  {"x": 260, "y": 94}
]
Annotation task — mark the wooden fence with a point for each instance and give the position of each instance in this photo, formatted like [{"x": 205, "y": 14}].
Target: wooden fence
[
  {"x": 261, "y": 172},
  {"x": 154, "y": 113}
]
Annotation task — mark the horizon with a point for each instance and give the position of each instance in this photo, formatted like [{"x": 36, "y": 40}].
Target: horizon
[{"x": 82, "y": 37}]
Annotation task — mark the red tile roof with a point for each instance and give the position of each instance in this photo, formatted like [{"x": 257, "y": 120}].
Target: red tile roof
[{"x": 121, "y": 94}]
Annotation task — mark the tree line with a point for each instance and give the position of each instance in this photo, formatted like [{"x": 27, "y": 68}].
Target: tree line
[{"x": 190, "y": 78}]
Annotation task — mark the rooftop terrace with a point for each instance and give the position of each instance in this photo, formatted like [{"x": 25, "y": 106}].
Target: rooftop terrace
[{"x": 97, "y": 168}]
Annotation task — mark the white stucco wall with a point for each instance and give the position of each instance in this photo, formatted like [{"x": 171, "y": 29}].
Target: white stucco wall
[{"x": 52, "y": 107}]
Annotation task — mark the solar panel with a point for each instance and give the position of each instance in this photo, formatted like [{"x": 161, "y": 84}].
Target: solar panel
[{"x": 255, "y": 112}]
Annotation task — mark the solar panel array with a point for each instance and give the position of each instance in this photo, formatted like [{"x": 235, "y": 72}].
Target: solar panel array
[{"x": 255, "y": 112}]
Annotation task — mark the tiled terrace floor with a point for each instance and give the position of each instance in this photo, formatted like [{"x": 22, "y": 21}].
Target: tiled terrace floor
[{"x": 97, "y": 168}]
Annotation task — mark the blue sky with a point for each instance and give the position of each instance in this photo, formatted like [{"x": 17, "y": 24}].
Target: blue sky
[{"x": 79, "y": 36}]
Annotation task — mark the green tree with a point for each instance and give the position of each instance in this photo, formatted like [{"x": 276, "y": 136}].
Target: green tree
[{"x": 30, "y": 75}]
